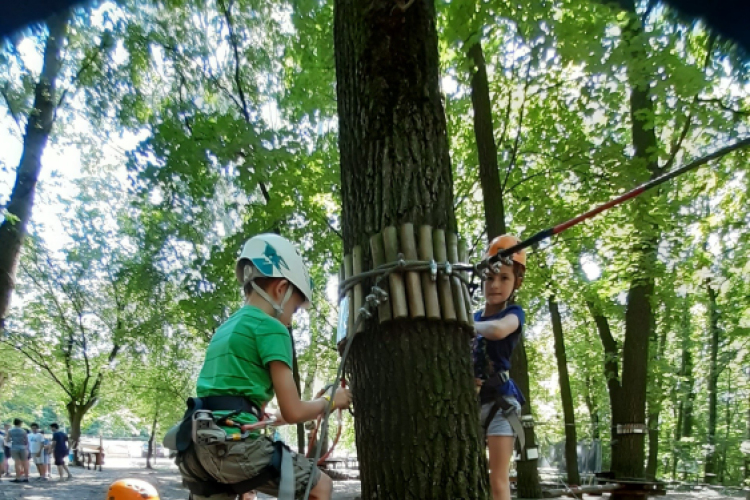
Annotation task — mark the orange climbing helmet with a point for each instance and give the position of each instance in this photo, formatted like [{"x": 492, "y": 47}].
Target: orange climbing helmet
[
  {"x": 132, "y": 489},
  {"x": 519, "y": 258}
]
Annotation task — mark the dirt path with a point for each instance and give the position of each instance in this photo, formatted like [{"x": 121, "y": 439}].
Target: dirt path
[{"x": 90, "y": 485}]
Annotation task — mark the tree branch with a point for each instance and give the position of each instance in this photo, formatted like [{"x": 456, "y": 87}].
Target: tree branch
[
  {"x": 521, "y": 112},
  {"x": 238, "y": 78},
  {"x": 13, "y": 114},
  {"x": 38, "y": 360},
  {"x": 688, "y": 121}
]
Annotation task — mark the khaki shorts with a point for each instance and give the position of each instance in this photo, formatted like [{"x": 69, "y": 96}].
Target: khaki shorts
[
  {"x": 236, "y": 462},
  {"x": 19, "y": 455}
]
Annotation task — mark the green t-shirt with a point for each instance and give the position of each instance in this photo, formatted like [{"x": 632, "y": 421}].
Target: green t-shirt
[{"x": 237, "y": 359}]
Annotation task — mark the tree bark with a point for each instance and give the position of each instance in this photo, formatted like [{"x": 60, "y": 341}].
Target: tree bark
[
  {"x": 654, "y": 408},
  {"x": 611, "y": 368},
  {"x": 38, "y": 129},
  {"x": 713, "y": 378},
  {"x": 75, "y": 416},
  {"x": 484, "y": 131},
  {"x": 566, "y": 395},
  {"x": 628, "y": 452},
  {"x": 528, "y": 483},
  {"x": 593, "y": 409},
  {"x": 685, "y": 383},
  {"x": 151, "y": 436},
  {"x": 417, "y": 429}
]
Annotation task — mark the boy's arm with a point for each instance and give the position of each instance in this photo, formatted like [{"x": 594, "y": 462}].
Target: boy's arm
[
  {"x": 498, "y": 329},
  {"x": 292, "y": 408}
]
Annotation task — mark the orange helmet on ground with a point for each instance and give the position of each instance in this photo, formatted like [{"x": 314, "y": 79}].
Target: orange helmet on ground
[
  {"x": 504, "y": 242},
  {"x": 132, "y": 489}
]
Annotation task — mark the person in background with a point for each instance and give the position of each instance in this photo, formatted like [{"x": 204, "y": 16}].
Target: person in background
[
  {"x": 18, "y": 441},
  {"x": 59, "y": 448},
  {"x": 36, "y": 447},
  {"x": 6, "y": 451},
  {"x": 45, "y": 453}
]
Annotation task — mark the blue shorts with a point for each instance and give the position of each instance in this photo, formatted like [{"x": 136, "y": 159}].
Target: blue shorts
[{"x": 499, "y": 425}]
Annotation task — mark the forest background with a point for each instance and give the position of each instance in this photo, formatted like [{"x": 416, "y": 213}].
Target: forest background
[{"x": 170, "y": 132}]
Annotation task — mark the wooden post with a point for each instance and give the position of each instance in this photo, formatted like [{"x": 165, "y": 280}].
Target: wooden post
[
  {"x": 429, "y": 287},
  {"x": 396, "y": 280},
  {"x": 378, "y": 259},
  {"x": 348, "y": 272},
  {"x": 358, "y": 297},
  {"x": 444, "y": 284},
  {"x": 458, "y": 293},
  {"x": 413, "y": 284},
  {"x": 463, "y": 257}
]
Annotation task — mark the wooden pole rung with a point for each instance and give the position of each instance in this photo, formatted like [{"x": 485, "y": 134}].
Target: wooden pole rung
[
  {"x": 395, "y": 279},
  {"x": 445, "y": 292},
  {"x": 456, "y": 288},
  {"x": 358, "y": 297},
  {"x": 348, "y": 270},
  {"x": 378, "y": 259},
  {"x": 463, "y": 257},
  {"x": 429, "y": 287},
  {"x": 413, "y": 283}
]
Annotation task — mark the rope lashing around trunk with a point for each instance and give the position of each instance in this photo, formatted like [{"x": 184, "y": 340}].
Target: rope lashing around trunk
[
  {"x": 372, "y": 301},
  {"x": 402, "y": 265}
]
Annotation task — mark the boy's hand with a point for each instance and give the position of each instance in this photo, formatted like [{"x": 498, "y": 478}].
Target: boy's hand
[{"x": 343, "y": 398}]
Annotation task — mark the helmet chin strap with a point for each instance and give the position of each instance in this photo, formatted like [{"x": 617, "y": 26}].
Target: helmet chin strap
[
  {"x": 278, "y": 308},
  {"x": 249, "y": 276}
]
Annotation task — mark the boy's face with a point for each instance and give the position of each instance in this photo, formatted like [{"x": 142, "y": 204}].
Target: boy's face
[
  {"x": 34, "y": 429},
  {"x": 498, "y": 287}
]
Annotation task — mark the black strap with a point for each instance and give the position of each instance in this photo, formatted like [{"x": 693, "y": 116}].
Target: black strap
[
  {"x": 231, "y": 403},
  {"x": 269, "y": 473},
  {"x": 500, "y": 403},
  {"x": 488, "y": 393}
]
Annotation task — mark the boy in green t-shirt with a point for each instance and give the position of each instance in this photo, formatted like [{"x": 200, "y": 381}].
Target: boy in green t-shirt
[{"x": 250, "y": 356}]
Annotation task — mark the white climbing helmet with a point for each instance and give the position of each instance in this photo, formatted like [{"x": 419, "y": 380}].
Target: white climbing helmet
[{"x": 273, "y": 256}]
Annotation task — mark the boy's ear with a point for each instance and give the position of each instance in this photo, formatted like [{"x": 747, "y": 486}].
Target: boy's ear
[{"x": 279, "y": 288}]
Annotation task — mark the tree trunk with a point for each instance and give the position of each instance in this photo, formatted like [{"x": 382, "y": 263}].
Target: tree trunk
[
  {"x": 713, "y": 378},
  {"x": 151, "y": 436},
  {"x": 38, "y": 128},
  {"x": 571, "y": 440},
  {"x": 417, "y": 429},
  {"x": 654, "y": 408},
  {"x": 593, "y": 409},
  {"x": 528, "y": 483},
  {"x": 494, "y": 210},
  {"x": 611, "y": 369},
  {"x": 628, "y": 453},
  {"x": 687, "y": 378},
  {"x": 75, "y": 416},
  {"x": 484, "y": 131}
]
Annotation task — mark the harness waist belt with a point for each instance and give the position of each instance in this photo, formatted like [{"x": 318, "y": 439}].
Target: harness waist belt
[{"x": 231, "y": 403}]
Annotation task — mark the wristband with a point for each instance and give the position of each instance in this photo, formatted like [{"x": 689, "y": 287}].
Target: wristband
[{"x": 327, "y": 397}]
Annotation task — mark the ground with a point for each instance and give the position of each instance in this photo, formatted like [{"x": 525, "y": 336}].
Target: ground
[{"x": 90, "y": 485}]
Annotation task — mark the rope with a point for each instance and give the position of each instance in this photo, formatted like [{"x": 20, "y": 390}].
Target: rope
[
  {"x": 402, "y": 265},
  {"x": 372, "y": 301}
]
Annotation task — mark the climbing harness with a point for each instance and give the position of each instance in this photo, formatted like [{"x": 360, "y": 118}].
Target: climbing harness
[
  {"x": 200, "y": 427},
  {"x": 489, "y": 394}
]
